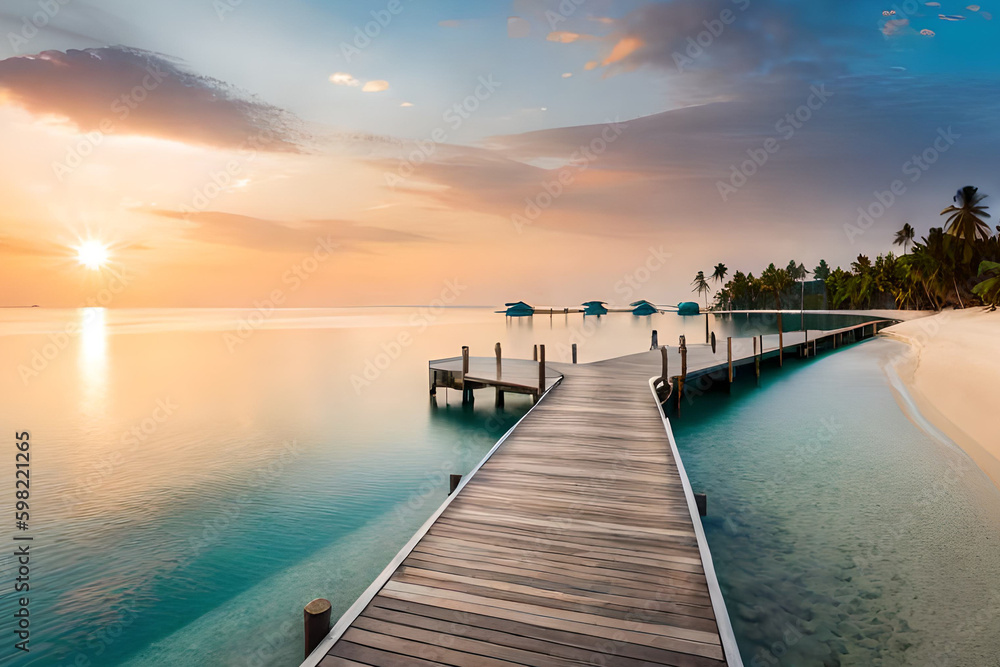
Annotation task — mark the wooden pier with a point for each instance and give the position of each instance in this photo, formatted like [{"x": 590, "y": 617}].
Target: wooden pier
[{"x": 577, "y": 540}]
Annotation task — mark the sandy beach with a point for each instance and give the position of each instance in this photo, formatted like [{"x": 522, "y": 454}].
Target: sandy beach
[{"x": 953, "y": 374}]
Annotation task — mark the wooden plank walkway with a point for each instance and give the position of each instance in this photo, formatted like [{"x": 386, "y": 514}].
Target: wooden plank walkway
[{"x": 572, "y": 544}]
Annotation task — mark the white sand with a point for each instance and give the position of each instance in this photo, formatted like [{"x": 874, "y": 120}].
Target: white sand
[{"x": 953, "y": 376}]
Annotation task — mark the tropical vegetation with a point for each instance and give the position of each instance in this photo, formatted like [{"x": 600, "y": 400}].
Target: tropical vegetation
[{"x": 957, "y": 264}]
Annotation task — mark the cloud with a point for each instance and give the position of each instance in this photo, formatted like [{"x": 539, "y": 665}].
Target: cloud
[
  {"x": 566, "y": 37},
  {"x": 567, "y": 75},
  {"x": 344, "y": 79},
  {"x": 376, "y": 86},
  {"x": 137, "y": 92},
  {"x": 623, "y": 49},
  {"x": 592, "y": 64},
  {"x": 245, "y": 231},
  {"x": 406, "y": 104},
  {"x": 951, "y": 17}
]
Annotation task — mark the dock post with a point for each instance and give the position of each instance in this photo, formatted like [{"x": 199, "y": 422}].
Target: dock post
[
  {"x": 654, "y": 343},
  {"x": 316, "y": 617},
  {"x": 713, "y": 342},
  {"x": 756, "y": 359},
  {"x": 453, "y": 482},
  {"x": 574, "y": 353},
  {"x": 499, "y": 398},
  {"x": 535, "y": 355},
  {"x": 541, "y": 370},
  {"x": 684, "y": 371},
  {"x": 729, "y": 352},
  {"x": 466, "y": 392},
  {"x": 433, "y": 382},
  {"x": 663, "y": 363},
  {"x": 781, "y": 343},
  {"x": 706, "y": 330}
]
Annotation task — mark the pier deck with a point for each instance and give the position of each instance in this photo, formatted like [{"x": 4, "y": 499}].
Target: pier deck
[
  {"x": 576, "y": 541},
  {"x": 573, "y": 543}
]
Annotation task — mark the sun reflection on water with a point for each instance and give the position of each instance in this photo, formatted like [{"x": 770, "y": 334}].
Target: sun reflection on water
[{"x": 93, "y": 361}]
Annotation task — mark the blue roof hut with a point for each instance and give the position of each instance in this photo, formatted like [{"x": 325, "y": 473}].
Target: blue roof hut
[
  {"x": 644, "y": 308},
  {"x": 594, "y": 308},
  {"x": 519, "y": 309},
  {"x": 688, "y": 308}
]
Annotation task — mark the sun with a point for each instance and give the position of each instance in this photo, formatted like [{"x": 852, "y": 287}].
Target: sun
[{"x": 92, "y": 254}]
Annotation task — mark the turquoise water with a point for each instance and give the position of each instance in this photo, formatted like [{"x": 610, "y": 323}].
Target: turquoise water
[
  {"x": 845, "y": 530},
  {"x": 199, "y": 475}
]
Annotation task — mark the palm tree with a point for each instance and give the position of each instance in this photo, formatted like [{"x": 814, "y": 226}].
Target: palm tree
[
  {"x": 904, "y": 237},
  {"x": 701, "y": 286},
  {"x": 989, "y": 288},
  {"x": 776, "y": 281},
  {"x": 822, "y": 270},
  {"x": 965, "y": 220},
  {"x": 719, "y": 274}
]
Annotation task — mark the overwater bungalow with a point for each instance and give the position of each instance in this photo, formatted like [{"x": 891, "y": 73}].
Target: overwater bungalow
[
  {"x": 643, "y": 307},
  {"x": 519, "y": 309},
  {"x": 688, "y": 308},
  {"x": 594, "y": 308}
]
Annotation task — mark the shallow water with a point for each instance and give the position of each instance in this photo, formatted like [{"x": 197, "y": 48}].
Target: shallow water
[
  {"x": 199, "y": 475},
  {"x": 843, "y": 531}
]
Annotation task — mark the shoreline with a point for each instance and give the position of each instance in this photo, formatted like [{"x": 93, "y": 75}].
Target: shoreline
[{"x": 951, "y": 372}]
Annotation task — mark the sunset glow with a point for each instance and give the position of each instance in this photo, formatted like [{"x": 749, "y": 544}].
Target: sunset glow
[{"x": 93, "y": 254}]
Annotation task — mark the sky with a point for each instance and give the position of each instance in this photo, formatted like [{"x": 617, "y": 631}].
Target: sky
[{"x": 229, "y": 153}]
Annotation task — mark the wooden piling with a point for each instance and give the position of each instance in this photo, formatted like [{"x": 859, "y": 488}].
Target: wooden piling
[
  {"x": 316, "y": 618},
  {"x": 535, "y": 355},
  {"x": 701, "y": 501},
  {"x": 684, "y": 371},
  {"x": 713, "y": 342},
  {"x": 574, "y": 353},
  {"x": 756, "y": 359},
  {"x": 729, "y": 346},
  {"x": 499, "y": 392},
  {"x": 663, "y": 363},
  {"x": 654, "y": 343},
  {"x": 453, "y": 482},
  {"x": 706, "y": 330},
  {"x": 781, "y": 342},
  {"x": 806, "y": 331},
  {"x": 541, "y": 370},
  {"x": 465, "y": 361}
]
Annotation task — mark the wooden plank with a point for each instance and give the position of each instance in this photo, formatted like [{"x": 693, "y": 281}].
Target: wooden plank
[{"x": 574, "y": 543}]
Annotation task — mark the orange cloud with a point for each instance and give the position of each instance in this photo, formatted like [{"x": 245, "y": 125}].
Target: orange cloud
[
  {"x": 566, "y": 37},
  {"x": 376, "y": 86},
  {"x": 623, "y": 49},
  {"x": 591, "y": 65}
]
